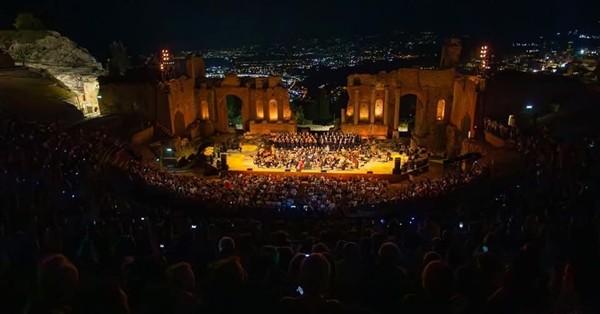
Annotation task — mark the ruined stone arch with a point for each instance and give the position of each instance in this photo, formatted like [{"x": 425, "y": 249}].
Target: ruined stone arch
[
  {"x": 234, "y": 105},
  {"x": 240, "y": 93},
  {"x": 420, "y": 96}
]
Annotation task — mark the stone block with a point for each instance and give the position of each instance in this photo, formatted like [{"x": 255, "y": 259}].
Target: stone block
[
  {"x": 366, "y": 129},
  {"x": 276, "y": 127}
]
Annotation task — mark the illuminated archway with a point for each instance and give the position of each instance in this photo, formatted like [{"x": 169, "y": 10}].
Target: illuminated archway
[
  {"x": 441, "y": 110},
  {"x": 349, "y": 111},
  {"x": 363, "y": 113},
  {"x": 273, "y": 110},
  {"x": 204, "y": 114},
  {"x": 378, "y": 109},
  {"x": 260, "y": 110}
]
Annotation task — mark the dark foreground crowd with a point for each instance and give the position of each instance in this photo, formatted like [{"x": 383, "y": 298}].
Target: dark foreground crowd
[{"x": 70, "y": 243}]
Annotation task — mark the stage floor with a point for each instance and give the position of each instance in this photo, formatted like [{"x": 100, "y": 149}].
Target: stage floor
[{"x": 242, "y": 161}]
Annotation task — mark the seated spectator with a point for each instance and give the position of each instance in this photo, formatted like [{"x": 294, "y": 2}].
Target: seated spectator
[
  {"x": 314, "y": 281},
  {"x": 437, "y": 284},
  {"x": 105, "y": 299},
  {"x": 57, "y": 283},
  {"x": 387, "y": 279},
  {"x": 293, "y": 274},
  {"x": 181, "y": 282},
  {"x": 226, "y": 247},
  {"x": 224, "y": 290},
  {"x": 350, "y": 274}
]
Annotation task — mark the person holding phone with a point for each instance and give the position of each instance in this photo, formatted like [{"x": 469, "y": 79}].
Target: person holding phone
[{"x": 313, "y": 284}]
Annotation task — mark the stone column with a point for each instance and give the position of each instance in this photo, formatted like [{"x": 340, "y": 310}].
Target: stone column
[
  {"x": 343, "y": 116},
  {"x": 208, "y": 105},
  {"x": 396, "y": 109},
  {"x": 279, "y": 111},
  {"x": 386, "y": 106},
  {"x": 212, "y": 107},
  {"x": 372, "y": 107},
  {"x": 260, "y": 110},
  {"x": 266, "y": 108},
  {"x": 356, "y": 106}
]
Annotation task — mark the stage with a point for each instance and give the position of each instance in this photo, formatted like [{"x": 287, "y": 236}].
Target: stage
[{"x": 242, "y": 162}]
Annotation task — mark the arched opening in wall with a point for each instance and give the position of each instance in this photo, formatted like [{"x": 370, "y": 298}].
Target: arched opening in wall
[
  {"x": 273, "y": 110},
  {"x": 260, "y": 110},
  {"x": 179, "y": 123},
  {"x": 407, "y": 112},
  {"x": 204, "y": 113},
  {"x": 234, "y": 112},
  {"x": 364, "y": 112},
  {"x": 379, "y": 109},
  {"x": 349, "y": 111},
  {"x": 441, "y": 110}
]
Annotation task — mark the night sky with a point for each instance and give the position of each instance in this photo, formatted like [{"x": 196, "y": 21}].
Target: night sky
[{"x": 145, "y": 26}]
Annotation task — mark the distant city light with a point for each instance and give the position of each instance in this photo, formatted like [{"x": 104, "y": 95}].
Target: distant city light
[
  {"x": 165, "y": 59},
  {"x": 529, "y": 107}
]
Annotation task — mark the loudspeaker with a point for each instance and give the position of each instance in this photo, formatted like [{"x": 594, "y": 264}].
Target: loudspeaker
[
  {"x": 323, "y": 170},
  {"x": 287, "y": 169},
  {"x": 369, "y": 172},
  {"x": 397, "y": 166},
  {"x": 223, "y": 159},
  {"x": 249, "y": 169},
  {"x": 169, "y": 162}
]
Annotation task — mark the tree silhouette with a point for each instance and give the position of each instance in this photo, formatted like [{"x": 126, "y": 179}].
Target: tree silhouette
[
  {"x": 118, "y": 63},
  {"x": 234, "y": 109},
  {"x": 22, "y": 52},
  {"x": 298, "y": 111},
  {"x": 27, "y": 21}
]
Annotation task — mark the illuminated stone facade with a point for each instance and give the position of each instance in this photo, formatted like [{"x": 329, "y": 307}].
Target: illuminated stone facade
[
  {"x": 191, "y": 98},
  {"x": 375, "y": 101},
  {"x": 265, "y": 103}
]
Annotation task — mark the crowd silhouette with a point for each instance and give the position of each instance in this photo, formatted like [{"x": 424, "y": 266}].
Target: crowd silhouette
[
  {"x": 76, "y": 240},
  {"x": 501, "y": 130}
]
